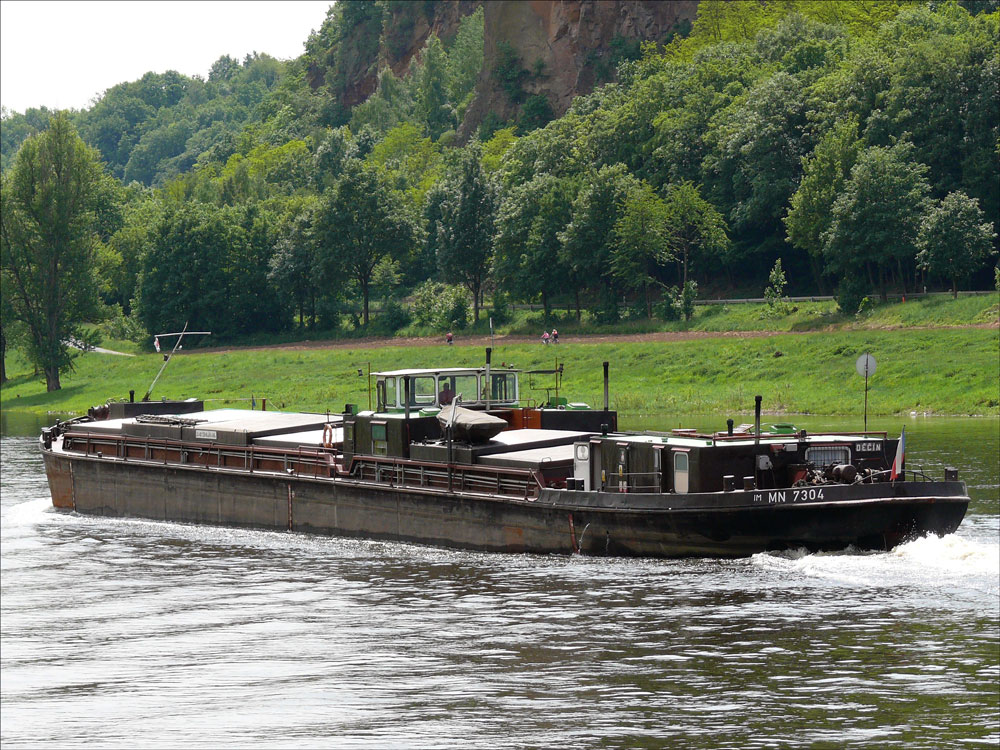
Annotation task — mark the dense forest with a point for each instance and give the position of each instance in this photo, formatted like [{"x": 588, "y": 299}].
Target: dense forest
[{"x": 850, "y": 147}]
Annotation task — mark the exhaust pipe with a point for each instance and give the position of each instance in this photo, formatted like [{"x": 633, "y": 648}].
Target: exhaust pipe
[
  {"x": 489, "y": 383},
  {"x": 406, "y": 398},
  {"x": 756, "y": 419},
  {"x": 406, "y": 415},
  {"x": 605, "y": 386}
]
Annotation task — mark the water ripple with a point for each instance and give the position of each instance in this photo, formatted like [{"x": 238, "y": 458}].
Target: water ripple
[{"x": 124, "y": 633}]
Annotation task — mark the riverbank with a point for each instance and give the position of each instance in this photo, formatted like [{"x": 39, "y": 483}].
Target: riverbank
[
  {"x": 951, "y": 371},
  {"x": 719, "y": 317}
]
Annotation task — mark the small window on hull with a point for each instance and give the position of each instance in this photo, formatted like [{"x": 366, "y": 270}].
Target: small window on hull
[{"x": 380, "y": 445}]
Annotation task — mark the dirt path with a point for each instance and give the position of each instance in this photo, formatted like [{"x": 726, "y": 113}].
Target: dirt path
[
  {"x": 664, "y": 336},
  {"x": 99, "y": 350},
  {"x": 375, "y": 343}
]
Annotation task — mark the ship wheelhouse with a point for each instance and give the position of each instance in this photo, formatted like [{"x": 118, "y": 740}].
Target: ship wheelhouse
[{"x": 477, "y": 388}]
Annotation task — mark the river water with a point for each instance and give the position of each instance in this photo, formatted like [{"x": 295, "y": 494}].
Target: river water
[{"x": 125, "y": 633}]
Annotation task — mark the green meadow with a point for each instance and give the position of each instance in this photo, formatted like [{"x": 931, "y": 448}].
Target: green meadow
[
  {"x": 935, "y": 311},
  {"x": 934, "y": 371},
  {"x": 821, "y": 315}
]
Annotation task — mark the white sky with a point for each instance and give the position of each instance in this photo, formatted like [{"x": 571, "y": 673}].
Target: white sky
[{"x": 64, "y": 54}]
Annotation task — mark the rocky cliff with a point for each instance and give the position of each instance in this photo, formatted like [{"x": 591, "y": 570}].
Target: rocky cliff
[
  {"x": 565, "y": 47},
  {"x": 554, "y": 49}
]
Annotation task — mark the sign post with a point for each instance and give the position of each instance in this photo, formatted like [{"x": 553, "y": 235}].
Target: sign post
[{"x": 866, "y": 366}]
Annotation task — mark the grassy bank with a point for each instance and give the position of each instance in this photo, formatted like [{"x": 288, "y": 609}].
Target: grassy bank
[
  {"x": 798, "y": 316},
  {"x": 943, "y": 371},
  {"x": 935, "y": 311}
]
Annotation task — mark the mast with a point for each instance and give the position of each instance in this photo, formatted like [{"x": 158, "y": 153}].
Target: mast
[{"x": 166, "y": 357}]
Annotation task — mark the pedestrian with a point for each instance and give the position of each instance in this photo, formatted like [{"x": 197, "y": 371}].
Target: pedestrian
[
  {"x": 449, "y": 338},
  {"x": 555, "y": 336},
  {"x": 545, "y": 337}
]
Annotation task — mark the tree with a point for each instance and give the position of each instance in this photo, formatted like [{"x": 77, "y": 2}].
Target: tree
[
  {"x": 390, "y": 105},
  {"x": 875, "y": 221},
  {"x": 954, "y": 239},
  {"x": 759, "y": 161},
  {"x": 360, "y": 221},
  {"x": 465, "y": 229},
  {"x": 465, "y": 57},
  {"x": 331, "y": 151},
  {"x": 641, "y": 243},
  {"x": 293, "y": 265},
  {"x": 694, "y": 227},
  {"x": 120, "y": 258},
  {"x": 409, "y": 163},
  {"x": 777, "y": 303},
  {"x": 529, "y": 222},
  {"x": 588, "y": 239},
  {"x": 431, "y": 77},
  {"x": 7, "y": 322},
  {"x": 825, "y": 173},
  {"x": 253, "y": 300},
  {"x": 535, "y": 113},
  {"x": 183, "y": 277},
  {"x": 48, "y": 230}
]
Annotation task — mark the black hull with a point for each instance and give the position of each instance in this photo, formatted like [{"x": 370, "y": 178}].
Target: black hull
[{"x": 735, "y": 524}]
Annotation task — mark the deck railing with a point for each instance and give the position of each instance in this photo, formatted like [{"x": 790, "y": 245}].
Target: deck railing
[
  {"x": 301, "y": 460},
  {"x": 487, "y": 480},
  {"x": 310, "y": 461}
]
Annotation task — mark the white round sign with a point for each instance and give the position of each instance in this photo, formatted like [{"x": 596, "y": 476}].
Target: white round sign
[{"x": 865, "y": 365}]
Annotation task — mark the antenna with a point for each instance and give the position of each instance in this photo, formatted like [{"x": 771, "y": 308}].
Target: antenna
[{"x": 166, "y": 357}]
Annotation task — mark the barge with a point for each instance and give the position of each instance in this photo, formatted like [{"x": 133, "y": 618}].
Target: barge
[{"x": 557, "y": 477}]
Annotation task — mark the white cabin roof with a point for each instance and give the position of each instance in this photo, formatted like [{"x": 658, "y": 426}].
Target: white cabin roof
[{"x": 444, "y": 371}]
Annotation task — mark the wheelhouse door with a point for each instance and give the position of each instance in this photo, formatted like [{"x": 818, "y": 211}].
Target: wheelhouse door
[{"x": 681, "y": 471}]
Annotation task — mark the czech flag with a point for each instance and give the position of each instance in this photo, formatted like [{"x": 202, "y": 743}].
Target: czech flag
[
  {"x": 897, "y": 462},
  {"x": 156, "y": 343}
]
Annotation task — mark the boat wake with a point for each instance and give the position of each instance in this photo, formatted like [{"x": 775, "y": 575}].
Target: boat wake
[
  {"x": 29, "y": 512},
  {"x": 928, "y": 562},
  {"x": 952, "y": 554}
]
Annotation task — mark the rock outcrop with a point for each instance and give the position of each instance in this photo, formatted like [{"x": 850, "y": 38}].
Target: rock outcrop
[
  {"x": 564, "y": 45},
  {"x": 561, "y": 48}
]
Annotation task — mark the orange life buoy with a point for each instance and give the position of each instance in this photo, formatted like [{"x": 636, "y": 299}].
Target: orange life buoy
[{"x": 328, "y": 436}]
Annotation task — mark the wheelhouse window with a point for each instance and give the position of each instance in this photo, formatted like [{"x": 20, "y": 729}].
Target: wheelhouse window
[
  {"x": 422, "y": 391},
  {"x": 465, "y": 386},
  {"x": 452, "y": 386},
  {"x": 502, "y": 386}
]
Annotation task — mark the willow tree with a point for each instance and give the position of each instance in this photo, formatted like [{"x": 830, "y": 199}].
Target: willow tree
[{"x": 47, "y": 235}]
